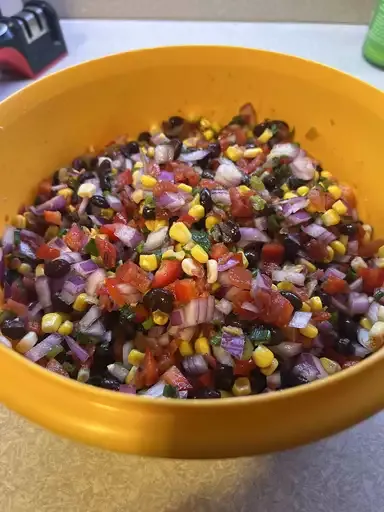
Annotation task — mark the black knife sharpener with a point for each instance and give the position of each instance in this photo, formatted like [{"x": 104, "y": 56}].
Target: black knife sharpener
[{"x": 31, "y": 40}]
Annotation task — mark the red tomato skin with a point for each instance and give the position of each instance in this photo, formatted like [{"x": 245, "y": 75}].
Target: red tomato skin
[
  {"x": 240, "y": 204},
  {"x": 169, "y": 271},
  {"x": 334, "y": 285},
  {"x": 107, "y": 252},
  {"x": 44, "y": 252},
  {"x": 273, "y": 253},
  {"x": 218, "y": 251},
  {"x": 372, "y": 278},
  {"x": 240, "y": 277},
  {"x": 132, "y": 274},
  {"x": 185, "y": 290}
]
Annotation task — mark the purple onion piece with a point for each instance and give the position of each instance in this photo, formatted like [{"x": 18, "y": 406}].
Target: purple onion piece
[
  {"x": 228, "y": 175},
  {"x": 300, "y": 319},
  {"x": 221, "y": 197},
  {"x": 194, "y": 156},
  {"x": 166, "y": 176},
  {"x": 155, "y": 239},
  {"x": 227, "y": 265},
  {"x": 42, "y": 348},
  {"x": 253, "y": 235},
  {"x": 85, "y": 268},
  {"x": 43, "y": 292},
  {"x": 298, "y": 218},
  {"x": 288, "y": 275},
  {"x": 76, "y": 349},
  {"x": 89, "y": 318},
  {"x": 303, "y": 168},
  {"x": 195, "y": 365},
  {"x": 56, "y": 203},
  {"x": 293, "y": 205},
  {"x": 358, "y": 303},
  {"x": 129, "y": 236},
  {"x": 234, "y": 345}
]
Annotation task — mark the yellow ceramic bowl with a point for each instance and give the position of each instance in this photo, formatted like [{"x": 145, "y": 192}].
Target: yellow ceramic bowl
[{"x": 55, "y": 119}]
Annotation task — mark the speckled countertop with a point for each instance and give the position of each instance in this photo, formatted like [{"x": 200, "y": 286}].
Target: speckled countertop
[{"x": 40, "y": 472}]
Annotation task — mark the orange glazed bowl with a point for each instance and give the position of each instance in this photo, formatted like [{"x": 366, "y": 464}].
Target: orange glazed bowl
[{"x": 48, "y": 123}]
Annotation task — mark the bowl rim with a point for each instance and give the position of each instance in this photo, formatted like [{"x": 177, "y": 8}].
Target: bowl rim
[{"x": 115, "y": 398}]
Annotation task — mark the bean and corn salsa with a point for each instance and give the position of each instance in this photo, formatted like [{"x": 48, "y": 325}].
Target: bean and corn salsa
[{"x": 197, "y": 261}]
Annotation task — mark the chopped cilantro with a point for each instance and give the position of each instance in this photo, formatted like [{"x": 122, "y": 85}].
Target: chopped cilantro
[
  {"x": 351, "y": 275},
  {"x": 91, "y": 248},
  {"x": 334, "y": 318},
  {"x": 216, "y": 339},
  {"x": 239, "y": 120},
  {"x": 16, "y": 237},
  {"x": 195, "y": 190},
  {"x": 149, "y": 201},
  {"x": 274, "y": 128},
  {"x": 170, "y": 391},
  {"x": 256, "y": 183},
  {"x": 201, "y": 238},
  {"x": 273, "y": 222},
  {"x": 140, "y": 247},
  {"x": 57, "y": 349},
  {"x": 255, "y": 271},
  {"x": 62, "y": 232},
  {"x": 127, "y": 314},
  {"x": 68, "y": 367},
  {"x": 378, "y": 295},
  {"x": 148, "y": 323},
  {"x": 260, "y": 334},
  {"x": 84, "y": 339},
  {"x": 282, "y": 171},
  {"x": 258, "y": 203}
]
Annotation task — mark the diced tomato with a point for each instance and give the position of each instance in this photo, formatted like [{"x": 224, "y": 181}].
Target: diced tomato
[
  {"x": 150, "y": 369},
  {"x": 19, "y": 309},
  {"x": 334, "y": 285},
  {"x": 75, "y": 238},
  {"x": 188, "y": 220},
  {"x": 125, "y": 178},
  {"x": 218, "y": 251},
  {"x": 52, "y": 217},
  {"x": 141, "y": 313},
  {"x": 169, "y": 271},
  {"x": 272, "y": 253},
  {"x": 240, "y": 203},
  {"x": 317, "y": 200},
  {"x": 45, "y": 252},
  {"x": 240, "y": 277},
  {"x": 107, "y": 252},
  {"x": 111, "y": 285},
  {"x": 372, "y": 278},
  {"x": 205, "y": 380},
  {"x": 45, "y": 187},
  {"x": 280, "y": 312},
  {"x": 164, "y": 186},
  {"x": 174, "y": 377},
  {"x": 231, "y": 256},
  {"x": 370, "y": 249},
  {"x": 244, "y": 368},
  {"x": 321, "y": 316},
  {"x": 184, "y": 174},
  {"x": 109, "y": 230},
  {"x": 35, "y": 326},
  {"x": 120, "y": 218},
  {"x": 185, "y": 290},
  {"x": 348, "y": 195},
  {"x": 316, "y": 250},
  {"x": 131, "y": 273},
  {"x": 210, "y": 184}
]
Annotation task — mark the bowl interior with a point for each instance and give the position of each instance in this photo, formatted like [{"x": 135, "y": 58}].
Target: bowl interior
[{"x": 336, "y": 118}]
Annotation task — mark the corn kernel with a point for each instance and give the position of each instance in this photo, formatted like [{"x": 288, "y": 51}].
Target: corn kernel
[
  {"x": 376, "y": 336},
  {"x": 71, "y": 208},
  {"x": 344, "y": 240},
  {"x": 212, "y": 272},
  {"x": 316, "y": 176},
  {"x": 309, "y": 266},
  {"x": 310, "y": 331},
  {"x": 271, "y": 368},
  {"x": 148, "y": 181},
  {"x": 208, "y": 134},
  {"x": 379, "y": 262},
  {"x": 241, "y": 387},
  {"x": 368, "y": 233},
  {"x": 150, "y": 225},
  {"x": 216, "y": 127},
  {"x": 302, "y": 191},
  {"x": 27, "y": 342},
  {"x": 151, "y": 152},
  {"x": 316, "y": 303},
  {"x": 216, "y": 286},
  {"x": 340, "y": 207},
  {"x": 234, "y": 153},
  {"x": 66, "y": 192},
  {"x": 306, "y": 307},
  {"x": 326, "y": 175},
  {"x": 137, "y": 166},
  {"x": 331, "y": 367},
  {"x": 137, "y": 196},
  {"x": 66, "y": 328},
  {"x": 199, "y": 254},
  {"x": 19, "y": 222},
  {"x": 289, "y": 195},
  {"x": 80, "y": 303},
  {"x": 51, "y": 322},
  {"x": 330, "y": 254},
  {"x": 330, "y": 217},
  {"x": 135, "y": 358},
  {"x": 335, "y": 191},
  {"x": 189, "y": 266},
  {"x": 358, "y": 263},
  {"x": 265, "y": 136},
  {"x": 178, "y": 247},
  {"x": 186, "y": 348},
  {"x": 172, "y": 255},
  {"x": 197, "y": 212},
  {"x": 131, "y": 375},
  {"x": 86, "y": 190},
  {"x": 24, "y": 269},
  {"x": 274, "y": 288},
  {"x": 185, "y": 188},
  {"x": 252, "y": 152},
  {"x": 159, "y": 317},
  {"x": 51, "y": 232},
  {"x": 285, "y": 285},
  {"x": 366, "y": 323},
  {"x": 202, "y": 346},
  {"x": 204, "y": 123},
  {"x": 380, "y": 252},
  {"x": 211, "y": 221},
  {"x": 107, "y": 213},
  {"x": 262, "y": 356},
  {"x": 243, "y": 189},
  {"x": 225, "y": 394},
  {"x": 191, "y": 142},
  {"x": 39, "y": 270},
  {"x": 338, "y": 247},
  {"x": 180, "y": 232},
  {"x": 148, "y": 262}
]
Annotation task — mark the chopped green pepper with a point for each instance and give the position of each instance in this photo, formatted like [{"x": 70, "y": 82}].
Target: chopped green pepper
[
  {"x": 91, "y": 248},
  {"x": 201, "y": 238},
  {"x": 170, "y": 391}
]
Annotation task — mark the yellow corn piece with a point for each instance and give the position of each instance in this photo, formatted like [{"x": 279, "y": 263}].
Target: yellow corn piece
[
  {"x": 208, "y": 134},
  {"x": 160, "y": 318},
  {"x": 199, "y": 254},
  {"x": 316, "y": 303},
  {"x": 289, "y": 195},
  {"x": 340, "y": 207},
  {"x": 66, "y": 328},
  {"x": 211, "y": 221},
  {"x": 310, "y": 331},
  {"x": 148, "y": 181},
  {"x": 262, "y": 356},
  {"x": 338, "y": 247},
  {"x": 135, "y": 358},
  {"x": 80, "y": 303},
  {"x": 197, "y": 212},
  {"x": 234, "y": 153},
  {"x": 186, "y": 348},
  {"x": 271, "y": 368},
  {"x": 252, "y": 152},
  {"x": 51, "y": 322},
  {"x": 335, "y": 191},
  {"x": 331, "y": 217},
  {"x": 265, "y": 136},
  {"x": 202, "y": 346},
  {"x": 185, "y": 188},
  {"x": 303, "y": 191},
  {"x": 180, "y": 233}
]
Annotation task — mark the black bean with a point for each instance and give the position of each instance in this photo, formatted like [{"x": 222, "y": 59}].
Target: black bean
[
  {"x": 295, "y": 183},
  {"x": 144, "y": 137},
  {"x": 177, "y": 147},
  {"x": 291, "y": 249},
  {"x": 325, "y": 298},
  {"x": 252, "y": 253},
  {"x": 208, "y": 175},
  {"x": 232, "y": 320},
  {"x": 206, "y": 200},
  {"x": 79, "y": 164},
  {"x": 270, "y": 182},
  {"x": 245, "y": 180},
  {"x": 347, "y": 327},
  {"x": 343, "y": 346},
  {"x": 348, "y": 229},
  {"x": 13, "y": 328},
  {"x": 278, "y": 192},
  {"x": 106, "y": 382},
  {"x": 99, "y": 202},
  {"x": 87, "y": 175},
  {"x": 259, "y": 128},
  {"x": 85, "y": 221},
  {"x": 215, "y": 149},
  {"x": 224, "y": 377},
  {"x": 102, "y": 357},
  {"x": 149, "y": 213},
  {"x": 205, "y": 393},
  {"x": 59, "y": 305},
  {"x": 55, "y": 178},
  {"x": 291, "y": 380},
  {"x": 258, "y": 381},
  {"x": 230, "y": 232},
  {"x": 105, "y": 181},
  {"x": 296, "y": 302},
  {"x": 200, "y": 224},
  {"x": 172, "y": 220},
  {"x": 104, "y": 166},
  {"x": 160, "y": 299},
  {"x": 132, "y": 148},
  {"x": 175, "y": 121},
  {"x": 277, "y": 336},
  {"x": 57, "y": 268}
]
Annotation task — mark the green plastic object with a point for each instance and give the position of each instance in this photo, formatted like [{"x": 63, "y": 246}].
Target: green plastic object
[{"x": 373, "y": 49}]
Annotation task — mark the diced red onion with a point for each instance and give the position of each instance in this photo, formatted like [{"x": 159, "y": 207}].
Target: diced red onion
[
  {"x": 193, "y": 156},
  {"x": 274, "y": 381},
  {"x": 261, "y": 223},
  {"x": 228, "y": 175},
  {"x": 300, "y": 319},
  {"x": 306, "y": 370},
  {"x": 76, "y": 349},
  {"x": 70, "y": 257},
  {"x": 115, "y": 203},
  {"x": 248, "y": 306},
  {"x": 155, "y": 391},
  {"x": 128, "y": 389},
  {"x": 232, "y": 262},
  {"x": 8, "y": 239},
  {"x": 195, "y": 365},
  {"x": 373, "y": 312},
  {"x": 97, "y": 330},
  {"x": 56, "y": 203},
  {"x": 289, "y": 276},
  {"x": 42, "y": 348},
  {"x": 234, "y": 345},
  {"x": 287, "y": 349},
  {"x": 58, "y": 243},
  {"x": 298, "y": 218},
  {"x": 118, "y": 371},
  {"x": 31, "y": 238},
  {"x": 129, "y": 236},
  {"x": 314, "y": 230},
  {"x": 288, "y": 150},
  {"x": 43, "y": 292},
  {"x": 360, "y": 351},
  {"x": 336, "y": 302},
  {"x": 353, "y": 248},
  {"x": 164, "y": 153},
  {"x": 222, "y": 356},
  {"x": 177, "y": 317},
  {"x": 358, "y": 303},
  {"x": 221, "y": 197},
  {"x": 327, "y": 237},
  {"x": 171, "y": 201},
  {"x": 223, "y": 279},
  {"x": 155, "y": 239},
  {"x": 290, "y": 206},
  {"x": 89, "y": 318},
  {"x": 253, "y": 235},
  {"x": 260, "y": 282},
  {"x": 363, "y": 338},
  {"x": 303, "y": 168},
  {"x": 5, "y": 341},
  {"x": 166, "y": 176},
  {"x": 225, "y": 306},
  {"x": 85, "y": 268},
  {"x": 334, "y": 272},
  {"x": 94, "y": 281}
]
